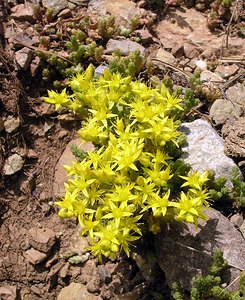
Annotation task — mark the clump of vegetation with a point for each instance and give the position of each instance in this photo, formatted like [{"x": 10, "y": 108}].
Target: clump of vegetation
[
  {"x": 209, "y": 287},
  {"x": 129, "y": 65},
  {"x": 128, "y": 179},
  {"x": 238, "y": 187},
  {"x": 219, "y": 192}
]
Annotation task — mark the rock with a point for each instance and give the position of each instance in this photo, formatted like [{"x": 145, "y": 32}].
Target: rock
[
  {"x": 201, "y": 64},
  {"x": 242, "y": 228},
  {"x": 94, "y": 285},
  {"x": 125, "y": 46},
  {"x": 83, "y": 3},
  {"x": 75, "y": 291},
  {"x": 35, "y": 257},
  {"x": 35, "y": 66},
  {"x": 187, "y": 26},
  {"x": 11, "y": 124},
  {"x": 66, "y": 118},
  {"x": 236, "y": 93},
  {"x": 78, "y": 244},
  {"x": 8, "y": 292},
  {"x": 191, "y": 50},
  {"x": 204, "y": 149},
  {"x": 23, "y": 12},
  {"x": 42, "y": 239},
  {"x": 13, "y": 164},
  {"x": 221, "y": 110},
  {"x": 55, "y": 5},
  {"x": 178, "y": 50},
  {"x": 105, "y": 273},
  {"x": 124, "y": 10},
  {"x": 20, "y": 38},
  {"x": 183, "y": 249},
  {"x": 65, "y": 13},
  {"x": 66, "y": 158},
  {"x": 237, "y": 220},
  {"x": 64, "y": 270},
  {"x": 99, "y": 71},
  {"x": 145, "y": 35},
  {"x": 233, "y": 133},
  {"x": 208, "y": 76},
  {"x": 227, "y": 71},
  {"x": 24, "y": 57},
  {"x": 165, "y": 56}
]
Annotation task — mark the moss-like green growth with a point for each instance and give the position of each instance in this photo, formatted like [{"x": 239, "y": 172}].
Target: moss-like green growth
[
  {"x": 129, "y": 177},
  {"x": 129, "y": 65},
  {"x": 209, "y": 287}
]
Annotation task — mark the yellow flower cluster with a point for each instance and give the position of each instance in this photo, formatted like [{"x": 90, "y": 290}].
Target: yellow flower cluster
[{"x": 125, "y": 181}]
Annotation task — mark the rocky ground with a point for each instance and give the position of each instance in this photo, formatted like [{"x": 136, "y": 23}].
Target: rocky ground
[{"x": 42, "y": 256}]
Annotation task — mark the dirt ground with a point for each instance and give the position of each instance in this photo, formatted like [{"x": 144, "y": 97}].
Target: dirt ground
[{"x": 27, "y": 199}]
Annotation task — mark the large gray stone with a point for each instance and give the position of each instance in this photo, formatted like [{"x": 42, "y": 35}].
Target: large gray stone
[
  {"x": 75, "y": 291},
  {"x": 184, "y": 251},
  {"x": 204, "y": 149}
]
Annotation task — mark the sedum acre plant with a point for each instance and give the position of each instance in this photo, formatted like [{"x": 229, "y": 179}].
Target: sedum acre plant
[{"x": 126, "y": 181}]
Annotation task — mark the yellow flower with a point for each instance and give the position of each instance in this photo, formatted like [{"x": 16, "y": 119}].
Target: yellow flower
[
  {"x": 195, "y": 180},
  {"x": 128, "y": 153},
  {"x": 158, "y": 204},
  {"x": 187, "y": 208},
  {"x": 58, "y": 99}
]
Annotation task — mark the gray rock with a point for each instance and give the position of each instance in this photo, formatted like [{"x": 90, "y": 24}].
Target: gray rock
[
  {"x": 75, "y": 291},
  {"x": 42, "y": 239},
  {"x": 125, "y": 46},
  {"x": 208, "y": 76},
  {"x": 204, "y": 149},
  {"x": 236, "y": 93},
  {"x": 8, "y": 292},
  {"x": 144, "y": 35},
  {"x": 55, "y": 5},
  {"x": 18, "y": 39},
  {"x": 11, "y": 124},
  {"x": 227, "y": 71},
  {"x": 165, "y": 56},
  {"x": 237, "y": 220},
  {"x": 124, "y": 10},
  {"x": 24, "y": 57},
  {"x": 23, "y": 12},
  {"x": 184, "y": 251},
  {"x": 191, "y": 50},
  {"x": 99, "y": 71},
  {"x": 13, "y": 164},
  {"x": 35, "y": 257},
  {"x": 221, "y": 110}
]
